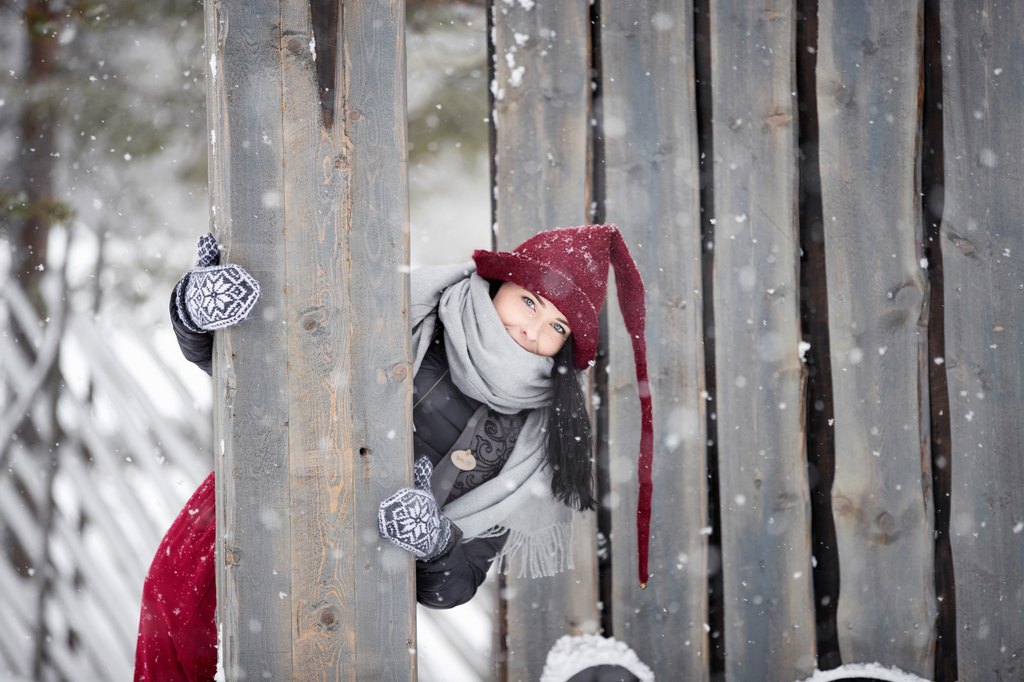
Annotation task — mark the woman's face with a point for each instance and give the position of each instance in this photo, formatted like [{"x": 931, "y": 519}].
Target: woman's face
[{"x": 534, "y": 322}]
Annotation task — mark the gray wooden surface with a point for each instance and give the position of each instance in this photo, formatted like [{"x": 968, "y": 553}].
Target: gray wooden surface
[
  {"x": 313, "y": 392},
  {"x": 982, "y": 246},
  {"x": 650, "y": 142},
  {"x": 762, "y": 457},
  {"x": 250, "y": 413},
  {"x": 542, "y": 179},
  {"x": 868, "y": 95}
]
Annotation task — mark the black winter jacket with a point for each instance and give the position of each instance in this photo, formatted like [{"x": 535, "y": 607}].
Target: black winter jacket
[{"x": 440, "y": 414}]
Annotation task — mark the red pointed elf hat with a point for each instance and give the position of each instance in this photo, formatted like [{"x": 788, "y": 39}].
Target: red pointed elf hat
[{"x": 569, "y": 267}]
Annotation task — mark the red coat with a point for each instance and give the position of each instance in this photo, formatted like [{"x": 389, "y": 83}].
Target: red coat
[{"x": 178, "y": 634}]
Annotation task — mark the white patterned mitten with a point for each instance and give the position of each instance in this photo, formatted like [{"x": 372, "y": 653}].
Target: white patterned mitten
[
  {"x": 213, "y": 296},
  {"x": 422, "y": 470},
  {"x": 410, "y": 518}
]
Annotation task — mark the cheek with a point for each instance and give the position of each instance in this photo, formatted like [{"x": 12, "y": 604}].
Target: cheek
[
  {"x": 502, "y": 308},
  {"x": 550, "y": 345},
  {"x": 506, "y": 313}
]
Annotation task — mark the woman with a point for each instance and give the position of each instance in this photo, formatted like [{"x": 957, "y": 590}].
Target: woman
[{"x": 498, "y": 415}]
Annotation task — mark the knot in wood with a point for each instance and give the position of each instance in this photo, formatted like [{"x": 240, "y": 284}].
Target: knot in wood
[
  {"x": 844, "y": 95},
  {"x": 328, "y": 617},
  {"x": 888, "y": 532},
  {"x": 842, "y": 505},
  {"x": 777, "y": 119},
  {"x": 232, "y": 556},
  {"x": 294, "y": 45},
  {"x": 312, "y": 320},
  {"x": 908, "y": 297},
  {"x": 399, "y": 372},
  {"x": 965, "y": 245},
  {"x": 886, "y": 523},
  {"x": 784, "y": 501}
]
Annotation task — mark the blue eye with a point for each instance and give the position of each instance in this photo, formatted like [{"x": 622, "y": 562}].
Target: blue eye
[
  {"x": 559, "y": 328},
  {"x": 529, "y": 302}
]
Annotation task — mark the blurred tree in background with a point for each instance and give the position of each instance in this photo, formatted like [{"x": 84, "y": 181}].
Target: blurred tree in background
[{"x": 93, "y": 93}]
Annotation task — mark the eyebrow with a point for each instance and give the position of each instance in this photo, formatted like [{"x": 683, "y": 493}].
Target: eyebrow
[{"x": 544, "y": 304}]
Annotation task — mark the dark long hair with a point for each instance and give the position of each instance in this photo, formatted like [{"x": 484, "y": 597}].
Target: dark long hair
[{"x": 569, "y": 451}]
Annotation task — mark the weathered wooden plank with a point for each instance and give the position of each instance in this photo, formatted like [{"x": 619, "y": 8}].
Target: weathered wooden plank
[
  {"x": 762, "y": 458},
  {"x": 250, "y": 410},
  {"x": 650, "y": 141},
  {"x": 982, "y": 243},
  {"x": 314, "y": 391},
  {"x": 375, "y": 229},
  {"x": 321, "y": 454},
  {"x": 868, "y": 96},
  {"x": 541, "y": 93}
]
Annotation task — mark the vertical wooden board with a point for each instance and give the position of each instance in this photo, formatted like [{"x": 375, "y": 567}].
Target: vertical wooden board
[
  {"x": 326, "y": 356},
  {"x": 650, "y": 139},
  {"x": 250, "y": 403},
  {"x": 982, "y": 244},
  {"x": 323, "y": 322},
  {"x": 868, "y": 95},
  {"x": 376, "y": 227},
  {"x": 541, "y": 93},
  {"x": 762, "y": 458},
  {"x": 350, "y": 370}
]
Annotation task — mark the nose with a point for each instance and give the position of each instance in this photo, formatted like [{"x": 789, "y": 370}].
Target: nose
[{"x": 529, "y": 332}]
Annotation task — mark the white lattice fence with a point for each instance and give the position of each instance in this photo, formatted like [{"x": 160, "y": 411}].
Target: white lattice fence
[{"x": 122, "y": 465}]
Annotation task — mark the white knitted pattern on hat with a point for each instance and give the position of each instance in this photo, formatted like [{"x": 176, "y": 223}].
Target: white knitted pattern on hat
[{"x": 571, "y": 654}]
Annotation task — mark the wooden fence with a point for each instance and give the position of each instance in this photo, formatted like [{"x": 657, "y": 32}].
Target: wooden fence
[
  {"x": 781, "y": 171},
  {"x": 821, "y": 197}
]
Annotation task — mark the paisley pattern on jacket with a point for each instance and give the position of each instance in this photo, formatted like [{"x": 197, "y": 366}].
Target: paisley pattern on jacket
[{"x": 491, "y": 445}]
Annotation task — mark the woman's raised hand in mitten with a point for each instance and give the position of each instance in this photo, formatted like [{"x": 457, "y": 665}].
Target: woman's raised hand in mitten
[
  {"x": 411, "y": 519},
  {"x": 213, "y": 296}
]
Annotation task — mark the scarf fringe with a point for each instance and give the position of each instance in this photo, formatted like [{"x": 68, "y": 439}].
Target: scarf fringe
[{"x": 540, "y": 554}]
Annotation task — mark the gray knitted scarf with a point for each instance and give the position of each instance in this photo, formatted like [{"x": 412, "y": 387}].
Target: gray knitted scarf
[{"x": 489, "y": 366}]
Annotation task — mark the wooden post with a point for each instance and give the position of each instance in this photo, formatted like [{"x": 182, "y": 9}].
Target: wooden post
[
  {"x": 313, "y": 393},
  {"x": 651, "y": 159},
  {"x": 982, "y": 245},
  {"x": 762, "y": 457},
  {"x": 542, "y": 116},
  {"x": 868, "y": 95}
]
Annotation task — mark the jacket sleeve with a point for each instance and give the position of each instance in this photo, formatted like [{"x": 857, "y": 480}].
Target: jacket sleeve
[
  {"x": 453, "y": 578},
  {"x": 197, "y": 347}
]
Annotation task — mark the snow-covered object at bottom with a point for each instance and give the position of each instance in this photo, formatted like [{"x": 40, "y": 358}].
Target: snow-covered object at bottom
[
  {"x": 870, "y": 671},
  {"x": 573, "y": 654}
]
